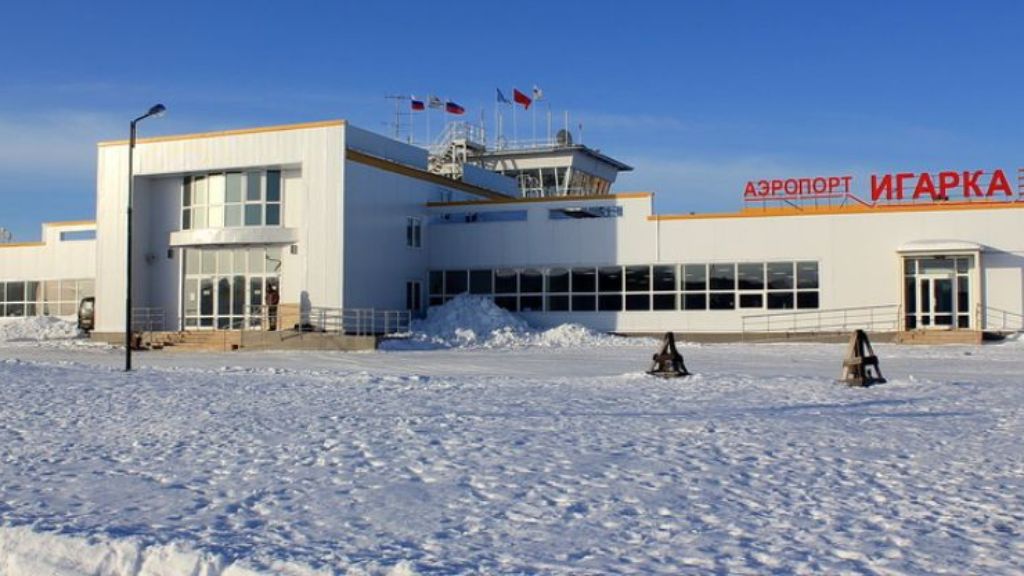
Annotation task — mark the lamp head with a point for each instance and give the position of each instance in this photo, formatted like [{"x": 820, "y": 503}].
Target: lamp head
[{"x": 157, "y": 110}]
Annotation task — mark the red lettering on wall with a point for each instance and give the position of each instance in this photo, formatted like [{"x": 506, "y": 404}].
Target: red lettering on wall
[
  {"x": 999, "y": 183},
  {"x": 971, "y": 183},
  {"x": 925, "y": 186},
  {"x": 947, "y": 181},
  {"x": 900, "y": 178},
  {"x": 880, "y": 187}
]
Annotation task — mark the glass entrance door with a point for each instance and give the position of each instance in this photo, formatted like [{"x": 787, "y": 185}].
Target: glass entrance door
[
  {"x": 225, "y": 289},
  {"x": 935, "y": 305}
]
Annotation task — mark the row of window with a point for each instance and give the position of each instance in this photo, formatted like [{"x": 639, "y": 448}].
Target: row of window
[
  {"x": 717, "y": 286},
  {"x": 209, "y": 262},
  {"x": 47, "y": 297},
  {"x": 569, "y": 213},
  {"x": 231, "y": 199}
]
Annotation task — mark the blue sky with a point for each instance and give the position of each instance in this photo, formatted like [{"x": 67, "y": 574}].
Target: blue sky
[{"x": 700, "y": 96}]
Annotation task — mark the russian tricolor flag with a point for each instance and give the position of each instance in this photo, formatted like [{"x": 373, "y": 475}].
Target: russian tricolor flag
[
  {"x": 453, "y": 108},
  {"x": 417, "y": 104}
]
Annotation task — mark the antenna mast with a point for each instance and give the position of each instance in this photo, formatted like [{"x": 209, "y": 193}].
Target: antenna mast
[{"x": 402, "y": 122}]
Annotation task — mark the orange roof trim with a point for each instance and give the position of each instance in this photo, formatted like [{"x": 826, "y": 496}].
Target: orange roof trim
[{"x": 842, "y": 210}]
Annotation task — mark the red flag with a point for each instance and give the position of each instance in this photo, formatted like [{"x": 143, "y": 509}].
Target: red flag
[
  {"x": 521, "y": 98},
  {"x": 453, "y": 108}
]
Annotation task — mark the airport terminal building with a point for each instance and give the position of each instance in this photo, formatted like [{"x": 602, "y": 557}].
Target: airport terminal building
[{"x": 333, "y": 217}]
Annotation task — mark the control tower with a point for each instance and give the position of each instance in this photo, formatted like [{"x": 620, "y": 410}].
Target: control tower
[{"x": 538, "y": 169}]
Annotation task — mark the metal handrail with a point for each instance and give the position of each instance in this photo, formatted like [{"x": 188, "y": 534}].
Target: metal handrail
[
  {"x": 882, "y": 318},
  {"x": 147, "y": 319},
  {"x": 1008, "y": 320},
  {"x": 360, "y": 321}
]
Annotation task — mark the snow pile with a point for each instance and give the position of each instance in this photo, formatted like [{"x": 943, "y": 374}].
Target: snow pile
[
  {"x": 36, "y": 328},
  {"x": 476, "y": 322},
  {"x": 24, "y": 552}
]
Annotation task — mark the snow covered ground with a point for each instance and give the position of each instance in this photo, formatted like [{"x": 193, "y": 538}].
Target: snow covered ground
[{"x": 518, "y": 459}]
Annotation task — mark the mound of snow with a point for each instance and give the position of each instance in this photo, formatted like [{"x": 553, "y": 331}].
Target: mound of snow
[
  {"x": 477, "y": 322},
  {"x": 36, "y": 328}
]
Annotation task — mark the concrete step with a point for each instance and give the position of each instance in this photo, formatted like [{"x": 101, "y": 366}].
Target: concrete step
[{"x": 940, "y": 337}]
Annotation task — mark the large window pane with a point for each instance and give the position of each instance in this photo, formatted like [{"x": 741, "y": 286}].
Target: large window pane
[
  {"x": 780, "y": 300},
  {"x": 455, "y": 282},
  {"x": 807, "y": 299},
  {"x": 216, "y": 217},
  {"x": 199, "y": 197},
  {"x": 216, "y": 184},
  {"x": 531, "y": 303},
  {"x": 722, "y": 300},
  {"x": 664, "y": 278},
  {"x": 695, "y": 277},
  {"x": 638, "y": 302},
  {"x": 558, "y": 280},
  {"x": 206, "y": 297},
  {"x": 780, "y": 276},
  {"x": 807, "y": 275},
  {"x": 68, "y": 291},
  {"x": 51, "y": 290},
  {"x": 274, "y": 215},
  {"x": 233, "y": 215},
  {"x": 506, "y": 282},
  {"x": 751, "y": 300},
  {"x": 664, "y": 302},
  {"x": 86, "y": 288},
  {"x": 238, "y": 295},
  {"x": 609, "y": 302},
  {"x": 239, "y": 261},
  {"x": 436, "y": 282},
  {"x": 233, "y": 187},
  {"x": 583, "y": 303},
  {"x": 199, "y": 218},
  {"x": 750, "y": 276},
  {"x": 209, "y": 261},
  {"x": 16, "y": 292},
  {"x": 609, "y": 279},
  {"x": 481, "y": 282},
  {"x": 257, "y": 260},
  {"x": 510, "y": 303},
  {"x": 638, "y": 279},
  {"x": 253, "y": 214},
  {"x": 273, "y": 185},
  {"x": 584, "y": 280},
  {"x": 224, "y": 261},
  {"x": 962, "y": 294},
  {"x": 530, "y": 281},
  {"x": 696, "y": 301},
  {"x": 558, "y": 303},
  {"x": 253, "y": 187},
  {"x": 723, "y": 276}
]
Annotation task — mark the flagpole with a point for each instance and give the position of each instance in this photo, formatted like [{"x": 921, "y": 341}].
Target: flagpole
[
  {"x": 549, "y": 122},
  {"x": 534, "y": 122},
  {"x": 515, "y": 126}
]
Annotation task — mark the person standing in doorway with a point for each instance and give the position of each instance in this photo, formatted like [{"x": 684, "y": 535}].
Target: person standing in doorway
[{"x": 273, "y": 298}]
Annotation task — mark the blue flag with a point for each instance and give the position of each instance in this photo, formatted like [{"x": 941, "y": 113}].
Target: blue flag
[{"x": 501, "y": 97}]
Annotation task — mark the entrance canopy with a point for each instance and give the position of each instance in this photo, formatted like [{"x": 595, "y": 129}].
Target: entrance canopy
[{"x": 939, "y": 246}]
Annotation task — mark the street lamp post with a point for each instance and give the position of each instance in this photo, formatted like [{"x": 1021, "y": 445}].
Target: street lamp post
[{"x": 156, "y": 110}]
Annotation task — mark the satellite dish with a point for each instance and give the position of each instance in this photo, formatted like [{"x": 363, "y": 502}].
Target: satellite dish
[{"x": 563, "y": 138}]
